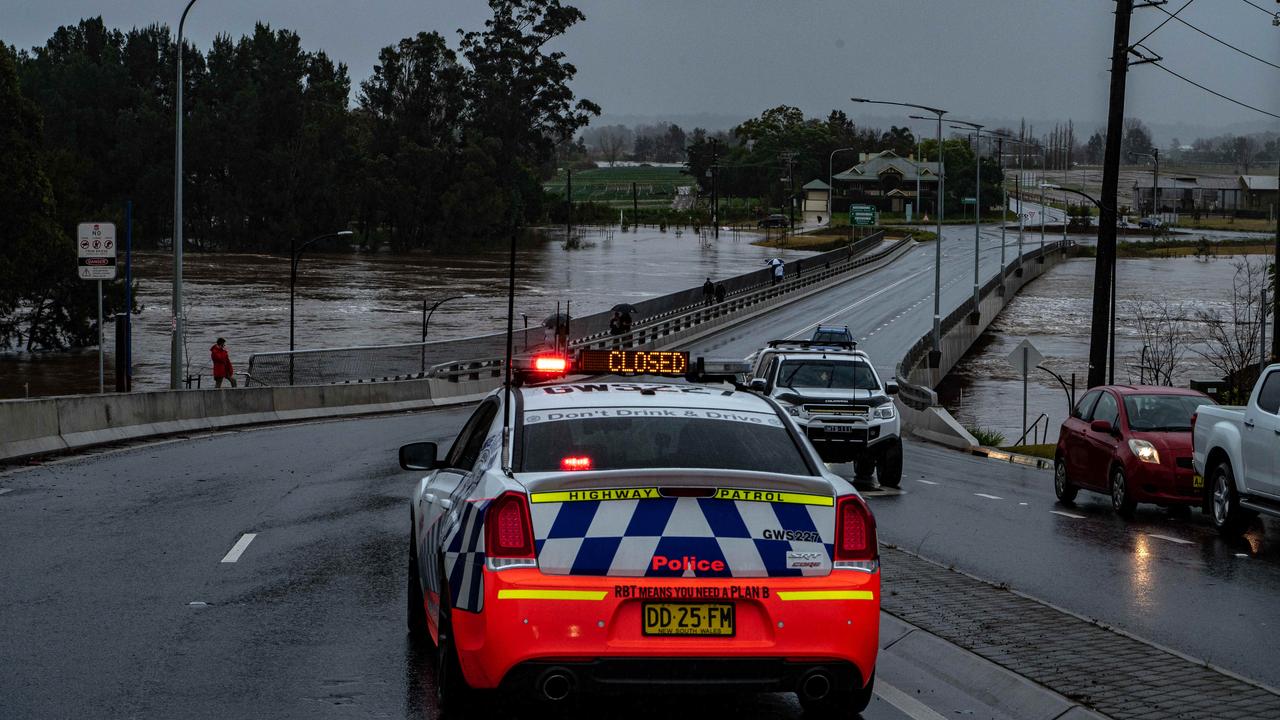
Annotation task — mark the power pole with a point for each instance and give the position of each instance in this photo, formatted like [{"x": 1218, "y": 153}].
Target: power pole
[
  {"x": 789, "y": 157},
  {"x": 568, "y": 195},
  {"x": 715, "y": 189},
  {"x": 1275, "y": 295},
  {"x": 1104, "y": 264},
  {"x": 1155, "y": 192}
]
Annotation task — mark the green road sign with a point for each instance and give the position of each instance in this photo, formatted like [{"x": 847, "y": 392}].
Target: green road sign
[
  {"x": 862, "y": 215},
  {"x": 968, "y": 201}
]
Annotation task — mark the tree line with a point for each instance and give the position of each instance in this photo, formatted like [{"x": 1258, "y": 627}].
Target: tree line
[{"x": 443, "y": 147}]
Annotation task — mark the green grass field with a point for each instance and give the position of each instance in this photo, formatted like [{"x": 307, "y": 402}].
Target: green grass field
[{"x": 612, "y": 186}]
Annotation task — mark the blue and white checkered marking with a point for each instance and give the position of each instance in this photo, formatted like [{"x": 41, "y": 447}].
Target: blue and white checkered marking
[{"x": 621, "y": 537}]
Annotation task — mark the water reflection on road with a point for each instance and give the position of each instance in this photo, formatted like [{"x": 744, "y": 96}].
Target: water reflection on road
[{"x": 359, "y": 299}]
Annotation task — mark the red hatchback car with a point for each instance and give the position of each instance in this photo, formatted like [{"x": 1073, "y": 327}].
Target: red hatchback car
[{"x": 1132, "y": 443}]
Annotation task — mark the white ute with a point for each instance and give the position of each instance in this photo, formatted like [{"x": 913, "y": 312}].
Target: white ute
[
  {"x": 1237, "y": 450},
  {"x": 835, "y": 396}
]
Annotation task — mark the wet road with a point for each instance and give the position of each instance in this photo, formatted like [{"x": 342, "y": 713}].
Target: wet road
[
  {"x": 120, "y": 599},
  {"x": 105, "y": 555}
]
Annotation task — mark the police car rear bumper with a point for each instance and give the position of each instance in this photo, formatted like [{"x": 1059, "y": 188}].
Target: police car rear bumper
[
  {"x": 785, "y": 626},
  {"x": 677, "y": 674}
]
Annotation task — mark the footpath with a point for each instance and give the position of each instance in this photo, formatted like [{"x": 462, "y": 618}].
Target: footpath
[{"x": 1099, "y": 668}]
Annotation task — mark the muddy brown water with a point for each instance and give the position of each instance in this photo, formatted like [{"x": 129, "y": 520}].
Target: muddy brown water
[
  {"x": 1054, "y": 313},
  {"x": 345, "y": 300}
]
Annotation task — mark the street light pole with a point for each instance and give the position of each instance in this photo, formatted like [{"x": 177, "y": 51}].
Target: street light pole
[
  {"x": 935, "y": 355},
  {"x": 175, "y": 348},
  {"x": 977, "y": 210},
  {"x": 295, "y": 254},
  {"x": 426, "y": 323},
  {"x": 831, "y": 187}
]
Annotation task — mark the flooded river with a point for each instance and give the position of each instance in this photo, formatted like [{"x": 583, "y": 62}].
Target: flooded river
[
  {"x": 348, "y": 299},
  {"x": 1054, "y": 313}
]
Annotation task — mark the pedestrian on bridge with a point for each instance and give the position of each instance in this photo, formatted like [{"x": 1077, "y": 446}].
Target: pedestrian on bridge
[
  {"x": 708, "y": 292},
  {"x": 779, "y": 268},
  {"x": 222, "y": 369}
]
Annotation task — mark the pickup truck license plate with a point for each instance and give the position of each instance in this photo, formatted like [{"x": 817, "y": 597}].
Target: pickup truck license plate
[
  {"x": 1197, "y": 481},
  {"x": 714, "y": 619},
  {"x": 838, "y": 428}
]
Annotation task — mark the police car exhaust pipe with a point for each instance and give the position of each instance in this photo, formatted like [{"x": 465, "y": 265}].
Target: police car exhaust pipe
[
  {"x": 815, "y": 686},
  {"x": 555, "y": 684}
]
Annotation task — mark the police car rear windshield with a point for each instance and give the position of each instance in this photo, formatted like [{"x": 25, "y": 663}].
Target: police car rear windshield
[
  {"x": 635, "y": 439},
  {"x": 841, "y": 375}
]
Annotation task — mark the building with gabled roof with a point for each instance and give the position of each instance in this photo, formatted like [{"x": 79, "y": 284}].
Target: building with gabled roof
[{"x": 890, "y": 181}]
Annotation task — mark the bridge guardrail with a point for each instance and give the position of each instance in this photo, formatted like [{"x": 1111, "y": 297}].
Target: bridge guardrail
[{"x": 398, "y": 361}]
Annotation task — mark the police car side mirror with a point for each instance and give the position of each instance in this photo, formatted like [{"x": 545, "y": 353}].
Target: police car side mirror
[
  {"x": 759, "y": 385},
  {"x": 419, "y": 456},
  {"x": 891, "y": 387}
]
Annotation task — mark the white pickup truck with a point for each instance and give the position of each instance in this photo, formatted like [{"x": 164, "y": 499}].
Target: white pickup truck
[{"x": 1237, "y": 450}]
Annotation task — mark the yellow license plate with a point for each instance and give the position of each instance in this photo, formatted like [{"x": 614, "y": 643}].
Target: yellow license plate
[
  {"x": 714, "y": 619},
  {"x": 1197, "y": 482}
]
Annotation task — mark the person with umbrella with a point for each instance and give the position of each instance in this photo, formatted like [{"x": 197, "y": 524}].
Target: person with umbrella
[
  {"x": 620, "y": 324},
  {"x": 779, "y": 268},
  {"x": 555, "y": 330}
]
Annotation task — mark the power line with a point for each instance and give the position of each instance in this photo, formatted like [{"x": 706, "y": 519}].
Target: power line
[
  {"x": 1166, "y": 20},
  {"x": 1211, "y": 37},
  {"x": 1268, "y": 12},
  {"x": 1215, "y": 92}
]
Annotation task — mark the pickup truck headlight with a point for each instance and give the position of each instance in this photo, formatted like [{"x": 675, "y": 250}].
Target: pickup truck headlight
[
  {"x": 1145, "y": 451},
  {"x": 883, "y": 412}
]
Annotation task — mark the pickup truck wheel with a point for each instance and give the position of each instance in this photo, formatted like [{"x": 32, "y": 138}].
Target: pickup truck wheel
[
  {"x": 1121, "y": 501},
  {"x": 1062, "y": 486},
  {"x": 416, "y": 610},
  {"x": 889, "y": 466},
  {"x": 1228, "y": 517}
]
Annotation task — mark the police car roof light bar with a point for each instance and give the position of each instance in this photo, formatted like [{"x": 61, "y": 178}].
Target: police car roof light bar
[{"x": 815, "y": 344}]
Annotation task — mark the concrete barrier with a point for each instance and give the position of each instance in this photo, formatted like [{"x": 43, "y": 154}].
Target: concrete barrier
[
  {"x": 933, "y": 422},
  {"x": 29, "y": 427}
]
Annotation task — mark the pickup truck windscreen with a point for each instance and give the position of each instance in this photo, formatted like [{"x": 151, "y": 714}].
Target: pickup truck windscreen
[
  {"x": 842, "y": 375},
  {"x": 1152, "y": 413},
  {"x": 598, "y": 439}
]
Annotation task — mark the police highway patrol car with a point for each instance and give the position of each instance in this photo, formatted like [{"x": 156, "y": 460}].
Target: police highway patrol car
[{"x": 630, "y": 525}]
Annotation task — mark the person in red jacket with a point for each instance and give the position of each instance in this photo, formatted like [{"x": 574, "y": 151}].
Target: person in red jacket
[{"x": 222, "y": 369}]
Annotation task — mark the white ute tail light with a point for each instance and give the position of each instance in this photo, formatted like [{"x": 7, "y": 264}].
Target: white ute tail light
[
  {"x": 856, "y": 545},
  {"x": 508, "y": 533}
]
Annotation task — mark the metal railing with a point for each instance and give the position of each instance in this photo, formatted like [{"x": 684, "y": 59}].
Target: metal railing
[{"x": 655, "y": 318}]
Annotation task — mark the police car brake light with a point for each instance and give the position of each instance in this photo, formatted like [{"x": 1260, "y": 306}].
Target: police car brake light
[
  {"x": 855, "y": 531},
  {"x": 508, "y": 531},
  {"x": 575, "y": 462},
  {"x": 550, "y": 364}
]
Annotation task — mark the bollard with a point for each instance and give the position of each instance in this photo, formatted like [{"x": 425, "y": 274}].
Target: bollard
[{"x": 122, "y": 353}]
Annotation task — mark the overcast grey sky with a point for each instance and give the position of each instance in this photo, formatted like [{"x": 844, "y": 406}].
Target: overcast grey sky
[{"x": 992, "y": 60}]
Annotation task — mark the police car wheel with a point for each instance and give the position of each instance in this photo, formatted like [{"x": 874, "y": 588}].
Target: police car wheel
[
  {"x": 842, "y": 704},
  {"x": 452, "y": 691},
  {"x": 415, "y": 611},
  {"x": 889, "y": 466}
]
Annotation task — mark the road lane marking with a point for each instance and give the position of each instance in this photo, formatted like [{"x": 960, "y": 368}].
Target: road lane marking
[
  {"x": 855, "y": 304},
  {"x": 1180, "y": 541},
  {"x": 238, "y": 549},
  {"x": 989, "y": 497},
  {"x": 913, "y": 708},
  {"x": 927, "y": 482},
  {"x": 1073, "y": 516}
]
